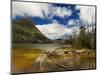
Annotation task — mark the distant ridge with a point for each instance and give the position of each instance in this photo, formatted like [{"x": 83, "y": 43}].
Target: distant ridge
[{"x": 24, "y": 31}]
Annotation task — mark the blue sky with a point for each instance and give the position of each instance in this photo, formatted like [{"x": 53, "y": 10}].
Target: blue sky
[{"x": 54, "y": 20}]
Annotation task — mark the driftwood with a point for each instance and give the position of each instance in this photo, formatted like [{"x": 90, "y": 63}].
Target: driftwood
[
  {"x": 53, "y": 61},
  {"x": 48, "y": 55}
]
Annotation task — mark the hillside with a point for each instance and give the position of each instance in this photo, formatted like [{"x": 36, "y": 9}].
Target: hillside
[{"x": 24, "y": 31}]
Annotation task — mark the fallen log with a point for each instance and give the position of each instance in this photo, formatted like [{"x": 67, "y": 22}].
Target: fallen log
[{"x": 53, "y": 61}]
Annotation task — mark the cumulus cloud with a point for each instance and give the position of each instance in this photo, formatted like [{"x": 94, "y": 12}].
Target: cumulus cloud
[
  {"x": 54, "y": 30},
  {"x": 87, "y": 13},
  {"x": 73, "y": 22},
  {"x": 62, "y": 11},
  {"x": 39, "y": 9},
  {"x": 31, "y": 9}
]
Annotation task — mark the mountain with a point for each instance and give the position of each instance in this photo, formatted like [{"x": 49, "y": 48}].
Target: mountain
[{"x": 24, "y": 31}]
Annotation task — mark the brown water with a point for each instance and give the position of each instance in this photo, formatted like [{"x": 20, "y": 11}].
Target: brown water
[
  {"x": 25, "y": 56},
  {"x": 45, "y": 47}
]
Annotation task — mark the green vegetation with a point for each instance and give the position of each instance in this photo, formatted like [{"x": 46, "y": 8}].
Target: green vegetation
[
  {"x": 24, "y": 31},
  {"x": 85, "y": 39}
]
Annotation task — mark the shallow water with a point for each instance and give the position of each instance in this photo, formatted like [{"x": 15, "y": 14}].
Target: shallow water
[
  {"x": 45, "y": 47},
  {"x": 25, "y": 61}
]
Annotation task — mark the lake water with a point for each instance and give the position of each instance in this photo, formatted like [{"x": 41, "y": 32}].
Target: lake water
[
  {"x": 27, "y": 62},
  {"x": 46, "y": 47}
]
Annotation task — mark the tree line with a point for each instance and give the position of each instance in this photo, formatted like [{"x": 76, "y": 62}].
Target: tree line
[{"x": 85, "y": 38}]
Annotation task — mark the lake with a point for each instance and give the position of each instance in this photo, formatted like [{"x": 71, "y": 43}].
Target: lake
[{"x": 46, "y": 47}]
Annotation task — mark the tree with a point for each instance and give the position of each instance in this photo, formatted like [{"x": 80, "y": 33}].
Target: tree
[{"x": 81, "y": 41}]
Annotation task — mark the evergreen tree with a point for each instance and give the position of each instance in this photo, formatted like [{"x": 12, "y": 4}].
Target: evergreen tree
[{"x": 81, "y": 41}]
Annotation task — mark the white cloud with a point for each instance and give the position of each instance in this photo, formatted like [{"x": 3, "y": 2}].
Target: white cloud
[
  {"x": 87, "y": 13},
  {"x": 39, "y": 9},
  {"x": 72, "y": 22},
  {"x": 31, "y": 9},
  {"x": 54, "y": 30},
  {"x": 62, "y": 11}
]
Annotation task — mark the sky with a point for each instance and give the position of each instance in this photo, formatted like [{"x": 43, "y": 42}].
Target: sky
[{"x": 55, "y": 20}]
